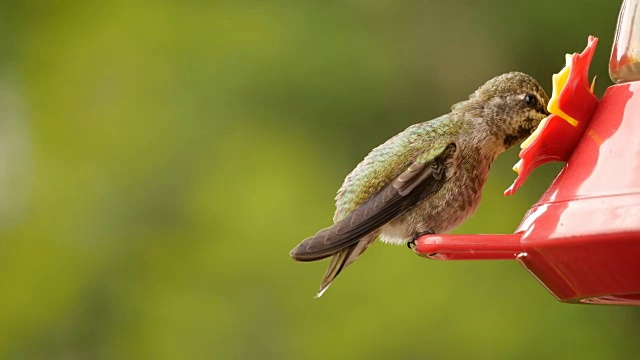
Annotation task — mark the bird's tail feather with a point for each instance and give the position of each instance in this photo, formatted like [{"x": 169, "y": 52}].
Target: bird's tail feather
[
  {"x": 335, "y": 266},
  {"x": 343, "y": 258}
]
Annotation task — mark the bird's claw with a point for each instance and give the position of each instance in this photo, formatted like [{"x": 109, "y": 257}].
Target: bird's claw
[{"x": 411, "y": 244}]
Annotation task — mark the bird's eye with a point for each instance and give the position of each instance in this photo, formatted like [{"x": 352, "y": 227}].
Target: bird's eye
[{"x": 530, "y": 100}]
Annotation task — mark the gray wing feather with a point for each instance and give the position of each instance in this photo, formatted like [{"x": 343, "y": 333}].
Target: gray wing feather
[{"x": 418, "y": 182}]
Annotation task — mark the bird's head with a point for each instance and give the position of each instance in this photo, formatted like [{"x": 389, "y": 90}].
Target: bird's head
[{"x": 510, "y": 105}]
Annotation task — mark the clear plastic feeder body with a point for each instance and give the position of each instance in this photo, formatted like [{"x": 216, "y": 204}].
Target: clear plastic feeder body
[{"x": 624, "y": 64}]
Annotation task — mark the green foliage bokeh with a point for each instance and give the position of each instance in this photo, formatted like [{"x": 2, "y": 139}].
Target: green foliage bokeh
[{"x": 159, "y": 160}]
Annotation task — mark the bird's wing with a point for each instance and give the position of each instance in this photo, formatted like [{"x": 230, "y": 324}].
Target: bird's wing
[{"x": 422, "y": 179}]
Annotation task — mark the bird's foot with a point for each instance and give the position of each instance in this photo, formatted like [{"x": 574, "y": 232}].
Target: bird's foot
[{"x": 411, "y": 244}]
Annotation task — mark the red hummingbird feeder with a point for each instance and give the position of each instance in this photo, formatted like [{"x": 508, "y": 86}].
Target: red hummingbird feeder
[{"x": 581, "y": 240}]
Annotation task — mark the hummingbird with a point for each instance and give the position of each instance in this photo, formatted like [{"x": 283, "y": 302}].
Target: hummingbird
[{"x": 427, "y": 179}]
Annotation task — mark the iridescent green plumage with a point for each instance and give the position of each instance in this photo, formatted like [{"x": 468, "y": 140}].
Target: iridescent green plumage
[{"x": 425, "y": 140}]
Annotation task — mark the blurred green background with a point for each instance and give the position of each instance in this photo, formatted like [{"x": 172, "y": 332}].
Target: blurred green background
[{"x": 158, "y": 160}]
